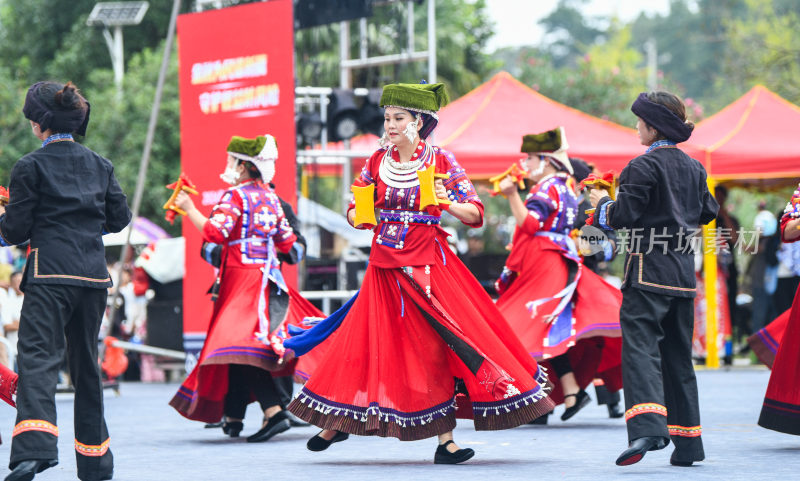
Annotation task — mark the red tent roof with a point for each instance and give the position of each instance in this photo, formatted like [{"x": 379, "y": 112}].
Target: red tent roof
[
  {"x": 484, "y": 128},
  {"x": 751, "y": 138}
]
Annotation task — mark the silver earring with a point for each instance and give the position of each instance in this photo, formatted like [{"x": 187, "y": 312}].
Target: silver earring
[
  {"x": 384, "y": 140},
  {"x": 411, "y": 130}
]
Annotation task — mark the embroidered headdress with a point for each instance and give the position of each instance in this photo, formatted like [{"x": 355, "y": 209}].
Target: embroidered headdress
[
  {"x": 425, "y": 99},
  {"x": 262, "y": 151},
  {"x": 552, "y": 143}
]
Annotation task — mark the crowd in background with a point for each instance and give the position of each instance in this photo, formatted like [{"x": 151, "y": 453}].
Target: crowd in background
[{"x": 11, "y": 262}]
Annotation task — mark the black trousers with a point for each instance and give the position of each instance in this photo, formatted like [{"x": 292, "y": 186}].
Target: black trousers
[
  {"x": 244, "y": 380},
  {"x": 657, "y": 371},
  {"x": 51, "y": 314}
]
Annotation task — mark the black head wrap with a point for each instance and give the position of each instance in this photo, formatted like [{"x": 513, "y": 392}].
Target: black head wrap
[
  {"x": 580, "y": 169},
  {"x": 50, "y": 116},
  {"x": 662, "y": 119}
]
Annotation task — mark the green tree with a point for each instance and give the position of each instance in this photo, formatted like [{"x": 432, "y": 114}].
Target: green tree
[
  {"x": 691, "y": 44},
  {"x": 569, "y": 33},
  {"x": 49, "y": 39},
  {"x": 462, "y": 32},
  {"x": 763, "y": 49},
  {"x": 118, "y": 129}
]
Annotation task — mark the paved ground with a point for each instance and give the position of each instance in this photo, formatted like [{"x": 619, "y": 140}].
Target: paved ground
[{"x": 151, "y": 441}]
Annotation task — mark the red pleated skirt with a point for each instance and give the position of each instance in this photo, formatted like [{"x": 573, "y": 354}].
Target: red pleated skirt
[
  {"x": 766, "y": 341},
  {"x": 593, "y": 342},
  {"x": 388, "y": 370},
  {"x": 231, "y": 340},
  {"x": 781, "y": 409}
]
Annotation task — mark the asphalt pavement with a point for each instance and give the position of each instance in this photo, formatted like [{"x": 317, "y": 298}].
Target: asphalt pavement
[{"x": 151, "y": 441}]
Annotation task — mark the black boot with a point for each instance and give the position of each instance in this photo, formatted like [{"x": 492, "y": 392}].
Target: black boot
[
  {"x": 581, "y": 400},
  {"x": 614, "y": 411},
  {"x": 638, "y": 447},
  {"x": 682, "y": 459},
  {"x": 443, "y": 456},
  {"x": 26, "y": 470},
  {"x": 276, "y": 425}
]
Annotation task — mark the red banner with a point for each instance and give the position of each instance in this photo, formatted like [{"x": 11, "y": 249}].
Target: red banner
[{"x": 236, "y": 77}]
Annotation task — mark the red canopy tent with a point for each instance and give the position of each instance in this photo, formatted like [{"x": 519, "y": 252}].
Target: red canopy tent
[
  {"x": 484, "y": 128},
  {"x": 750, "y": 139},
  {"x": 748, "y": 142}
]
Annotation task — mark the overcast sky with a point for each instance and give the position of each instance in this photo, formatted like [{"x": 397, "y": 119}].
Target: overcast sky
[{"x": 516, "y": 21}]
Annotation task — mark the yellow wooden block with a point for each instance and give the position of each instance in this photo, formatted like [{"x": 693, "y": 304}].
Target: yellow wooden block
[
  {"x": 427, "y": 189},
  {"x": 365, "y": 204}
]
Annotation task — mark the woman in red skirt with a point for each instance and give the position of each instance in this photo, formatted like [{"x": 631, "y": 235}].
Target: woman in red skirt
[
  {"x": 564, "y": 314},
  {"x": 766, "y": 341},
  {"x": 781, "y": 409},
  {"x": 421, "y": 327},
  {"x": 243, "y": 347}
]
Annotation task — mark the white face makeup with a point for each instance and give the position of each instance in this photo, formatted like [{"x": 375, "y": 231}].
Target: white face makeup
[
  {"x": 535, "y": 166},
  {"x": 231, "y": 174}
]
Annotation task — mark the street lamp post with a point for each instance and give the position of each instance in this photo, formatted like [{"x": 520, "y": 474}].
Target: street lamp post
[{"x": 116, "y": 15}]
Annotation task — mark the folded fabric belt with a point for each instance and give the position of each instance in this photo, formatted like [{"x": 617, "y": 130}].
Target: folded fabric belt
[{"x": 408, "y": 217}]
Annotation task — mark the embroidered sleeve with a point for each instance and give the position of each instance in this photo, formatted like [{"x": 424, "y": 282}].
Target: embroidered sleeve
[
  {"x": 366, "y": 177},
  {"x": 223, "y": 218},
  {"x": 459, "y": 187},
  {"x": 540, "y": 203},
  {"x": 791, "y": 212},
  {"x": 284, "y": 237}
]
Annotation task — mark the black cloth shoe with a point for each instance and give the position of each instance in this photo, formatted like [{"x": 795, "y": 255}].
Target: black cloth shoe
[
  {"x": 581, "y": 400},
  {"x": 276, "y": 425},
  {"x": 26, "y": 470},
  {"x": 318, "y": 443},
  {"x": 614, "y": 411},
  {"x": 637, "y": 449},
  {"x": 232, "y": 428},
  {"x": 295, "y": 421},
  {"x": 443, "y": 456}
]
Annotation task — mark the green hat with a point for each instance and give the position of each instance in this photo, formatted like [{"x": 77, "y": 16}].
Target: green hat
[
  {"x": 261, "y": 151},
  {"x": 424, "y": 98},
  {"x": 552, "y": 143},
  {"x": 248, "y": 147}
]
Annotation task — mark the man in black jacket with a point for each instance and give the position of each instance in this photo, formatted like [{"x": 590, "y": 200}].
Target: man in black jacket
[
  {"x": 663, "y": 199},
  {"x": 63, "y": 197}
]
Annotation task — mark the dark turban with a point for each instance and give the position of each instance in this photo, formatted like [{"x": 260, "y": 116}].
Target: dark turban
[
  {"x": 662, "y": 119},
  {"x": 49, "y": 115}
]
